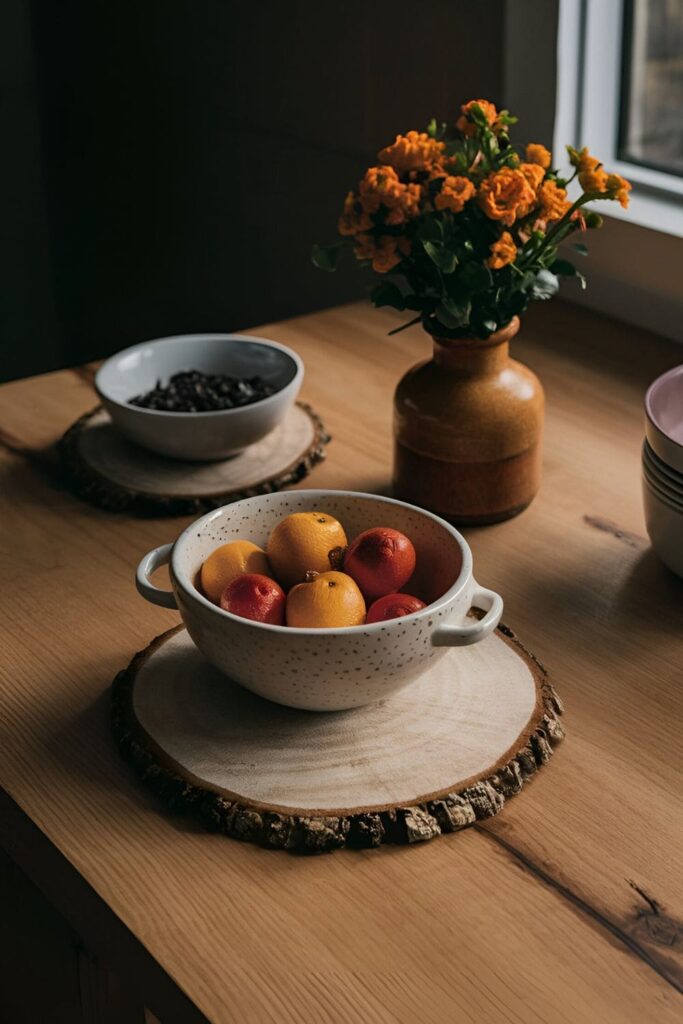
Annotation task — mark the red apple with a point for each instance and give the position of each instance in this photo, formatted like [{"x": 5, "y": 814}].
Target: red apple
[
  {"x": 256, "y": 597},
  {"x": 393, "y": 606},
  {"x": 381, "y": 561}
]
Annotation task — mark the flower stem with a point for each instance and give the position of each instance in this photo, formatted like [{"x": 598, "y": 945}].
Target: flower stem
[
  {"x": 410, "y": 323},
  {"x": 586, "y": 197}
]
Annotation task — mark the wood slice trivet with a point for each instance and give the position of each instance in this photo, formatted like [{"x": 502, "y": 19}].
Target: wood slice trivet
[
  {"x": 441, "y": 754},
  {"x": 102, "y": 467}
]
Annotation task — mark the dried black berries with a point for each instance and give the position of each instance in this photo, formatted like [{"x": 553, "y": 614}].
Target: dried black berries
[{"x": 193, "y": 391}]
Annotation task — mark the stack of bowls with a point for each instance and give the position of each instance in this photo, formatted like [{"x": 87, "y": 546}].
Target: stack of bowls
[{"x": 663, "y": 467}]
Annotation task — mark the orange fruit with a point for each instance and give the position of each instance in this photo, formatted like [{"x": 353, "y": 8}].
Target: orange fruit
[
  {"x": 330, "y": 599},
  {"x": 302, "y": 542},
  {"x": 231, "y": 560}
]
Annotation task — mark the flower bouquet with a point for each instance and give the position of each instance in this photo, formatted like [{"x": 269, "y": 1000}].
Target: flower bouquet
[
  {"x": 465, "y": 230},
  {"x": 465, "y": 225}
]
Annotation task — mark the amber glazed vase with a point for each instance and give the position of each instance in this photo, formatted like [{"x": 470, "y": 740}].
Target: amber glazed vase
[{"x": 468, "y": 427}]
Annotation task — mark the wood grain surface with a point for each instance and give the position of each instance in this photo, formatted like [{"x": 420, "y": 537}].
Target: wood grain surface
[{"x": 566, "y": 908}]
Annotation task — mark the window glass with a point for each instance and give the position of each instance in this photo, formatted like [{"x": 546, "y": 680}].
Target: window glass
[{"x": 651, "y": 123}]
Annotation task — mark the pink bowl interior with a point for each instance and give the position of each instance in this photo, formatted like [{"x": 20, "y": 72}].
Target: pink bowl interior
[{"x": 664, "y": 404}]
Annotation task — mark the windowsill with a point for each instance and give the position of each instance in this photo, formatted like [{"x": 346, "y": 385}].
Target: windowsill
[{"x": 649, "y": 210}]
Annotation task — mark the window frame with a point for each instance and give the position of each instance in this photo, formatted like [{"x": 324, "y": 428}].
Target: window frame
[{"x": 590, "y": 65}]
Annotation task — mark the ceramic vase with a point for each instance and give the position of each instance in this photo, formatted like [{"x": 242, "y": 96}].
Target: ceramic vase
[{"x": 468, "y": 429}]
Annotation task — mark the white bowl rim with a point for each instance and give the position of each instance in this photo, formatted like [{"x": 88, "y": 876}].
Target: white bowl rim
[
  {"x": 374, "y": 627},
  {"x": 675, "y": 371},
  {"x": 260, "y": 403}
]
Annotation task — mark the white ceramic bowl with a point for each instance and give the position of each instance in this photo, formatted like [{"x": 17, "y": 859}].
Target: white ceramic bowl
[
  {"x": 203, "y": 436},
  {"x": 665, "y": 528},
  {"x": 664, "y": 417},
  {"x": 327, "y": 669}
]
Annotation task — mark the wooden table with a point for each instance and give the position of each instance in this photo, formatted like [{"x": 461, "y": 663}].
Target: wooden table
[{"x": 565, "y": 908}]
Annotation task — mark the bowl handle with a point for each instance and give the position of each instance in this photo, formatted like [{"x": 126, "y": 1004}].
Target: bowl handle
[
  {"x": 152, "y": 560},
  {"x": 463, "y": 636}
]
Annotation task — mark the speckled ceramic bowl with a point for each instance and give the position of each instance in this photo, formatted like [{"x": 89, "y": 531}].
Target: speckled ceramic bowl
[{"x": 327, "y": 669}]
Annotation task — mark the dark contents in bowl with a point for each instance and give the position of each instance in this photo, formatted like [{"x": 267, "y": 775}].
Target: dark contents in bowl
[{"x": 194, "y": 391}]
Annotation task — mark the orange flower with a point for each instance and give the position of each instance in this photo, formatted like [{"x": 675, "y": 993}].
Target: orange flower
[
  {"x": 380, "y": 186},
  {"x": 385, "y": 252},
  {"x": 408, "y": 205},
  {"x": 386, "y": 256},
  {"x": 411, "y": 152},
  {"x": 466, "y": 126},
  {"x": 502, "y": 252},
  {"x": 454, "y": 193},
  {"x": 582, "y": 159},
  {"x": 364, "y": 248},
  {"x": 533, "y": 173},
  {"x": 538, "y": 154},
  {"x": 353, "y": 217},
  {"x": 553, "y": 200},
  {"x": 594, "y": 180},
  {"x": 506, "y": 195},
  {"x": 620, "y": 188}
]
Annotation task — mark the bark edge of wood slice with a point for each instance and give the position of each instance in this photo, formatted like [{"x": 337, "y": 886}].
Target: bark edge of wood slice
[
  {"x": 88, "y": 480},
  {"x": 479, "y": 797}
]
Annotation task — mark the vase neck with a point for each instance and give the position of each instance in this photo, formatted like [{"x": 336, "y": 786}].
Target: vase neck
[{"x": 473, "y": 357}]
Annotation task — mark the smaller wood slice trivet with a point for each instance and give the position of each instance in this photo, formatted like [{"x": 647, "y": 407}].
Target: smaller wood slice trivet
[
  {"x": 102, "y": 467},
  {"x": 441, "y": 754}
]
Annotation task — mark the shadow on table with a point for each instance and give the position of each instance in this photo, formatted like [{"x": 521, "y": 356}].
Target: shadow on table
[
  {"x": 652, "y": 593},
  {"x": 621, "y": 595}
]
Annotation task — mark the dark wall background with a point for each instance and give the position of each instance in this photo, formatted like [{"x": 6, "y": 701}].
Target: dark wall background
[{"x": 172, "y": 161}]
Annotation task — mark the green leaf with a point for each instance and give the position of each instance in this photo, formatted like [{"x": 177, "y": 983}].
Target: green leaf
[
  {"x": 580, "y": 247},
  {"x": 475, "y": 277},
  {"x": 545, "y": 285},
  {"x": 445, "y": 259},
  {"x": 387, "y": 294},
  {"x": 431, "y": 230},
  {"x": 452, "y": 314},
  {"x": 563, "y": 267},
  {"x": 567, "y": 269},
  {"x": 432, "y": 128},
  {"x": 325, "y": 258},
  {"x": 446, "y": 318},
  {"x": 517, "y": 302},
  {"x": 477, "y": 115}
]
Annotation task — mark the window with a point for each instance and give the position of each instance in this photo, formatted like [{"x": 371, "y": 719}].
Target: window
[
  {"x": 651, "y": 116},
  {"x": 620, "y": 92}
]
